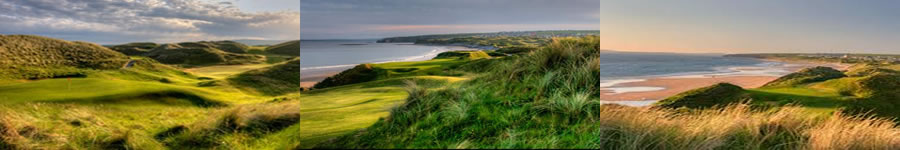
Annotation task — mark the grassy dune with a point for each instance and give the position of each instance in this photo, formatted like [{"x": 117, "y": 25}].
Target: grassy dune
[{"x": 290, "y": 48}]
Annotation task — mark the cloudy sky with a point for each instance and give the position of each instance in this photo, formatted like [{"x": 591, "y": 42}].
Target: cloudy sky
[
  {"x": 751, "y": 26},
  {"x": 121, "y": 21},
  {"x": 366, "y": 19}
]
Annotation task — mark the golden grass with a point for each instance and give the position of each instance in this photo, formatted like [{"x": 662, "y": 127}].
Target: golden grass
[{"x": 784, "y": 128}]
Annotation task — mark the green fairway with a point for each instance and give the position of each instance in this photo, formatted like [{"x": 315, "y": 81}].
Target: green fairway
[
  {"x": 222, "y": 71},
  {"x": 332, "y": 112}
]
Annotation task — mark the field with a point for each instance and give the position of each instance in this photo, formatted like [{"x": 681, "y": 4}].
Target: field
[
  {"x": 544, "y": 99},
  {"x": 143, "y": 104}
]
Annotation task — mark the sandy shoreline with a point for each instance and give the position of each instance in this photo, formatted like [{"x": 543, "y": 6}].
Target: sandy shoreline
[
  {"x": 672, "y": 86},
  {"x": 308, "y": 78},
  {"x": 658, "y": 88}
]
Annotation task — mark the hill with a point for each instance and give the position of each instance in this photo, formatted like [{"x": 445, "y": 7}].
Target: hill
[
  {"x": 443, "y": 64},
  {"x": 537, "y": 34},
  {"x": 33, "y": 57},
  {"x": 259, "y": 42},
  {"x": 276, "y": 80},
  {"x": 719, "y": 94},
  {"x": 291, "y": 48},
  {"x": 807, "y": 75},
  {"x": 134, "y": 49},
  {"x": 199, "y": 54},
  {"x": 227, "y": 46}
]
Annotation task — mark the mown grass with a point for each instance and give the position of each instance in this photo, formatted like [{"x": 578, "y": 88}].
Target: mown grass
[{"x": 331, "y": 112}]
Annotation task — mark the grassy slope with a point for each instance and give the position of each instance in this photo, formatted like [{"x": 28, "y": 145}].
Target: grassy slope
[
  {"x": 35, "y": 57},
  {"x": 824, "y": 96},
  {"x": 291, "y": 48},
  {"x": 359, "y": 105},
  {"x": 275, "y": 80},
  {"x": 332, "y": 112},
  {"x": 438, "y": 66}
]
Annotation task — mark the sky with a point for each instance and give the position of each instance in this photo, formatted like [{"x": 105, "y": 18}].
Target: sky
[
  {"x": 753, "y": 26},
  {"x": 163, "y": 21},
  {"x": 369, "y": 19}
]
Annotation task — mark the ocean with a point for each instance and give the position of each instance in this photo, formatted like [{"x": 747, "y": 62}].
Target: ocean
[
  {"x": 617, "y": 68},
  {"x": 325, "y": 54},
  {"x": 629, "y": 65}
]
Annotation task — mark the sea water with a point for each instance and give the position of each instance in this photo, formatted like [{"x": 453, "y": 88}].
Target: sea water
[
  {"x": 624, "y": 67},
  {"x": 329, "y": 54}
]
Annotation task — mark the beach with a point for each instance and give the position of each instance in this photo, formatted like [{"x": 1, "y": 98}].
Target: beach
[
  {"x": 308, "y": 78},
  {"x": 657, "y": 88}
]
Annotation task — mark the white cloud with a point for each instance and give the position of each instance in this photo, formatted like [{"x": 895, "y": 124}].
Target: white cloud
[{"x": 144, "y": 20}]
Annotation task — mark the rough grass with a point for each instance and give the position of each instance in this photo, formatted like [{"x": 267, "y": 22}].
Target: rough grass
[
  {"x": 35, "y": 57},
  {"x": 134, "y": 49},
  {"x": 276, "y": 80},
  {"x": 290, "y": 48},
  {"x": 234, "y": 127},
  {"x": 807, "y": 75},
  {"x": 718, "y": 94},
  {"x": 517, "y": 49},
  {"x": 198, "y": 54}
]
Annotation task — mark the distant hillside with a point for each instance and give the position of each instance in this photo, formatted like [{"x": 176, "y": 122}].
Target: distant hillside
[
  {"x": 199, "y": 54},
  {"x": 720, "y": 94},
  {"x": 228, "y": 46},
  {"x": 287, "y": 48},
  {"x": 139, "y": 48},
  {"x": 807, "y": 75},
  {"x": 276, "y": 80},
  {"x": 260, "y": 42},
  {"x": 541, "y": 34},
  {"x": 28, "y": 56}
]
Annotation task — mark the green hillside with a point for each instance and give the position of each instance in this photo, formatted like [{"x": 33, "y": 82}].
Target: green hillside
[
  {"x": 199, "y": 54},
  {"x": 276, "y": 80},
  {"x": 291, "y": 48},
  {"x": 719, "y": 94},
  {"x": 34, "y": 57},
  {"x": 869, "y": 89},
  {"x": 444, "y": 64},
  {"x": 134, "y": 49}
]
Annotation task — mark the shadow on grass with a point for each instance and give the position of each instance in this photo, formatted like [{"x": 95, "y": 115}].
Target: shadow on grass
[{"x": 170, "y": 97}]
